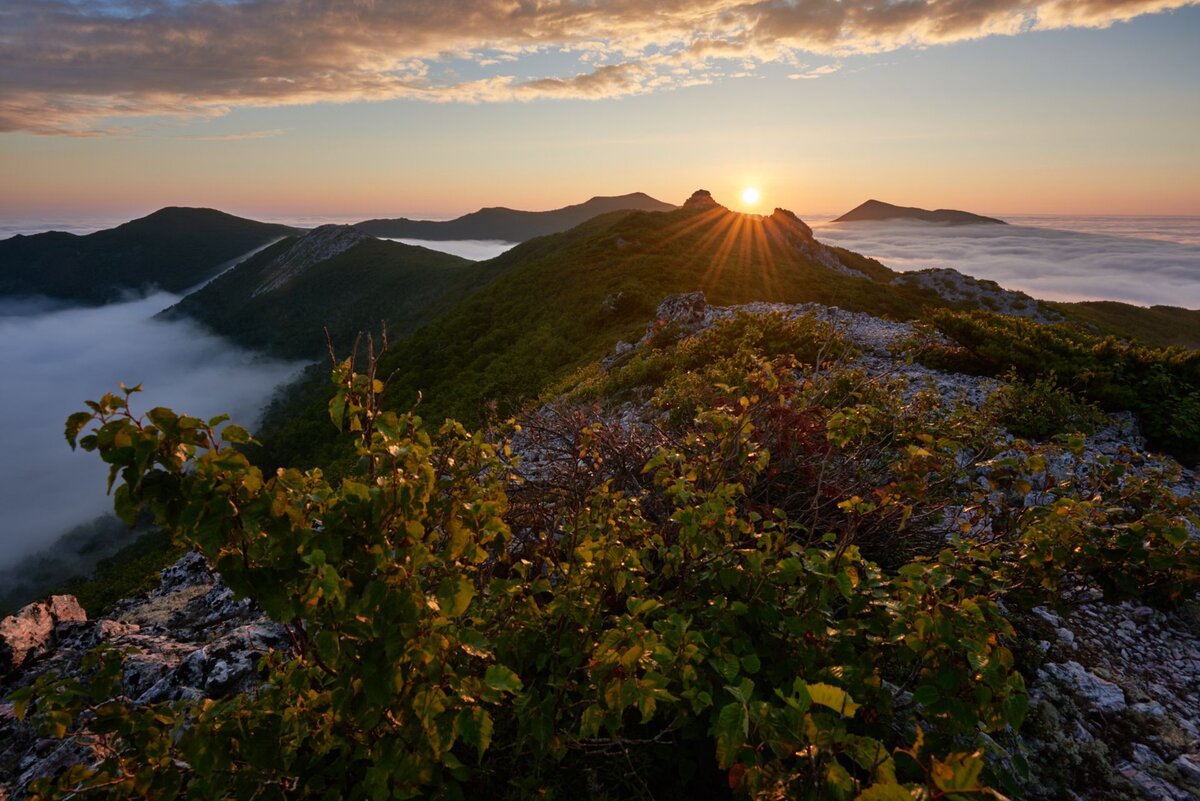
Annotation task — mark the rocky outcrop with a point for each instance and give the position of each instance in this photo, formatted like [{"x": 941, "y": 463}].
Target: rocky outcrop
[
  {"x": 701, "y": 200},
  {"x": 188, "y": 639},
  {"x": 786, "y": 228},
  {"x": 959, "y": 288},
  {"x": 1119, "y": 695},
  {"x": 35, "y": 629},
  {"x": 783, "y": 228},
  {"x": 684, "y": 314},
  {"x": 320, "y": 244}
]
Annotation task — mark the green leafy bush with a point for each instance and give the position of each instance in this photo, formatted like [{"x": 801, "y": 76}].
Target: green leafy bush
[
  {"x": 1041, "y": 409},
  {"x": 703, "y": 628},
  {"x": 1162, "y": 385}
]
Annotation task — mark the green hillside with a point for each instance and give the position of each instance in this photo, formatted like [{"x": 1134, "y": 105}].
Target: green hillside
[
  {"x": 1161, "y": 326},
  {"x": 173, "y": 249},
  {"x": 565, "y": 300},
  {"x": 559, "y": 302},
  {"x": 355, "y": 289}
]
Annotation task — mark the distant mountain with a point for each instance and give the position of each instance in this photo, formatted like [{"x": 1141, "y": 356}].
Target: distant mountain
[
  {"x": 173, "y": 249},
  {"x": 511, "y": 225},
  {"x": 333, "y": 277},
  {"x": 878, "y": 210}
]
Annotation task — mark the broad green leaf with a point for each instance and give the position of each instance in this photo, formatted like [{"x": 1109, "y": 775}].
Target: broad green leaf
[
  {"x": 455, "y": 596},
  {"x": 498, "y": 677},
  {"x": 75, "y": 424},
  {"x": 835, "y": 698},
  {"x": 730, "y": 730}
]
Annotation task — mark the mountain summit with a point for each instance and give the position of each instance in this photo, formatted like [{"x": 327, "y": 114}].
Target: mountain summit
[
  {"x": 173, "y": 249},
  {"x": 874, "y": 210}
]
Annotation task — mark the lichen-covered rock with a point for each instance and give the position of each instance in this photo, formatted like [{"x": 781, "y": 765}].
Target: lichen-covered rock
[
  {"x": 1097, "y": 693},
  {"x": 192, "y": 570},
  {"x": 34, "y": 630},
  {"x": 686, "y": 313},
  {"x": 957, "y": 287},
  {"x": 1130, "y": 687},
  {"x": 188, "y": 639}
]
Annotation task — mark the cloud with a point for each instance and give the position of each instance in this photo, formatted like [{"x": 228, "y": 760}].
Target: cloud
[
  {"x": 1046, "y": 263},
  {"x": 815, "y": 72},
  {"x": 54, "y": 358},
  {"x": 235, "y": 137},
  {"x": 81, "y": 67}
]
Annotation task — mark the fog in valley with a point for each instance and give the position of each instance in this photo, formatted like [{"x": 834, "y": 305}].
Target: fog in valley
[
  {"x": 473, "y": 249},
  {"x": 1045, "y": 263},
  {"x": 54, "y": 358}
]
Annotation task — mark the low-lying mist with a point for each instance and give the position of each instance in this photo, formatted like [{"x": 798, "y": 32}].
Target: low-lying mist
[
  {"x": 54, "y": 358},
  {"x": 473, "y": 249},
  {"x": 1047, "y": 264}
]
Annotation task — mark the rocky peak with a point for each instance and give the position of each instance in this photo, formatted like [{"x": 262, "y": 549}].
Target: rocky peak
[
  {"x": 785, "y": 220},
  {"x": 787, "y": 229},
  {"x": 702, "y": 199},
  {"x": 318, "y": 245}
]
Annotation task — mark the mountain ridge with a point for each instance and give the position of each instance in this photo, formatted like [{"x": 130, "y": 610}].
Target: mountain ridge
[
  {"x": 510, "y": 225},
  {"x": 332, "y": 278},
  {"x": 174, "y": 248}
]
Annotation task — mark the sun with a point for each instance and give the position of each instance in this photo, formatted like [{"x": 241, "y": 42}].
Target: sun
[{"x": 750, "y": 195}]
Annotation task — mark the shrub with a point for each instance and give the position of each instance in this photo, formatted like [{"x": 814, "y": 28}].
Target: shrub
[
  {"x": 660, "y": 636},
  {"x": 1161, "y": 385},
  {"x": 1041, "y": 409}
]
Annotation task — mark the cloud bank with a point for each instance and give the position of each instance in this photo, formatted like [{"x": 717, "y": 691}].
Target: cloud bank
[
  {"x": 54, "y": 358},
  {"x": 1046, "y": 263},
  {"x": 79, "y": 66}
]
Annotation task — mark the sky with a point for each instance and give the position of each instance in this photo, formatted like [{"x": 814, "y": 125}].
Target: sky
[{"x": 431, "y": 108}]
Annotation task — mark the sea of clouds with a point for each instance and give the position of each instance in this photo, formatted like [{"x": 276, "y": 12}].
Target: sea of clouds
[
  {"x": 1104, "y": 258},
  {"x": 55, "y": 357}
]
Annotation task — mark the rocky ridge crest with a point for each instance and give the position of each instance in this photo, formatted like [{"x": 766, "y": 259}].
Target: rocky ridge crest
[{"x": 318, "y": 245}]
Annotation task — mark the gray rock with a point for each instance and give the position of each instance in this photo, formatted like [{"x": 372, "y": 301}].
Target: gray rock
[
  {"x": 1097, "y": 693},
  {"x": 192, "y": 570},
  {"x": 1189, "y": 766},
  {"x": 1151, "y": 708}
]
